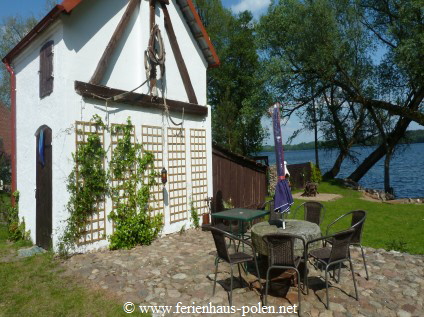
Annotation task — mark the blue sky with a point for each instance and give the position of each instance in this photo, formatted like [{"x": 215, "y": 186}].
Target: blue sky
[{"x": 258, "y": 7}]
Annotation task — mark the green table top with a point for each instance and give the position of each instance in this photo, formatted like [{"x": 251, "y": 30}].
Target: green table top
[{"x": 241, "y": 214}]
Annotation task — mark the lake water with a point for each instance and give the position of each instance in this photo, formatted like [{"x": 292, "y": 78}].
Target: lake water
[{"x": 406, "y": 168}]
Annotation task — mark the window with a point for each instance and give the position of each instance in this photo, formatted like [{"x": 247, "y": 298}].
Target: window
[{"x": 46, "y": 69}]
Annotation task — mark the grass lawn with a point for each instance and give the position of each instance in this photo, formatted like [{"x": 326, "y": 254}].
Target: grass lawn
[
  {"x": 34, "y": 286},
  {"x": 386, "y": 224}
]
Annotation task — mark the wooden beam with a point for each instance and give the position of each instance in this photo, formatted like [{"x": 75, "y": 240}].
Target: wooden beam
[
  {"x": 178, "y": 56},
  {"x": 104, "y": 60},
  {"x": 98, "y": 92}
]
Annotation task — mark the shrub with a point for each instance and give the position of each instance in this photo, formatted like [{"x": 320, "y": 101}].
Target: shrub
[{"x": 316, "y": 176}]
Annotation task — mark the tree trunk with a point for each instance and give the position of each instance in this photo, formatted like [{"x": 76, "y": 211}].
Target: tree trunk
[
  {"x": 379, "y": 152},
  {"x": 334, "y": 171},
  {"x": 389, "y": 154},
  {"x": 316, "y": 135}
]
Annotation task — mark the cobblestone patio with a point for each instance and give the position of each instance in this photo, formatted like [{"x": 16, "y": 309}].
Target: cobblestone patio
[{"x": 180, "y": 267}]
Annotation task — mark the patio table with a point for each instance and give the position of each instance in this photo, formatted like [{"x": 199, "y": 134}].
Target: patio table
[
  {"x": 306, "y": 229},
  {"x": 241, "y": 214}
]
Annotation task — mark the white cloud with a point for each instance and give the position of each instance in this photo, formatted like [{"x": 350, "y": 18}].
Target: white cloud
[{"x": 255, "y": 6}]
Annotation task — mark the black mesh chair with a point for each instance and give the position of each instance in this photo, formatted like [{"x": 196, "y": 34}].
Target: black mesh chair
[
  {"x": 313, "y": 211},
  {"x": 273, "y": 216},
  {"x": 223, "y": 255},
  {"x": 357, "y": 223},
  {"x": 334, "y": 255},
  {"x": 281, "y": 256}
]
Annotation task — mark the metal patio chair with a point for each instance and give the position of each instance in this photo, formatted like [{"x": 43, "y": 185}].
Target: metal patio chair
[
  {"x": 224, "y": 255},
  {"x": 273, "y": 216},
  {"x": 313, "y": 211},
  {"x": 357, "y": 223},
  {"x": 334, "y": 255},
  {"x": 281, "y": 256}
]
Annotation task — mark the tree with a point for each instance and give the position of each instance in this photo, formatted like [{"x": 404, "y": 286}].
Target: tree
[
  {"x": 331, "y": 43},
  {"x": 12, "y": 30},
  {"x": 236, "y": 89}
]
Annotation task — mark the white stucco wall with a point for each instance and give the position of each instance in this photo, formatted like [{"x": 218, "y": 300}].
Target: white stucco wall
[{"x": 79, "y": 41}]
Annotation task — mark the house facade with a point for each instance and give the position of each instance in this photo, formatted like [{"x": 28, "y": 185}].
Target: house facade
[{"x": 91, "y": 57}]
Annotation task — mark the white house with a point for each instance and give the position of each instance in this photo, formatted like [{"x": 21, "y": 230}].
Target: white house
[{"x": 71, "y": 66}]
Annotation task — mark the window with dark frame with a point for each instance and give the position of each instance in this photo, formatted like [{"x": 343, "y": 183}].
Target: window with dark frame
[{"x": 46, "y": 69}]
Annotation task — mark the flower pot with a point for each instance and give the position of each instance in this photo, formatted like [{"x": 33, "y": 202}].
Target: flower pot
[{"x": 205, "y": 219}]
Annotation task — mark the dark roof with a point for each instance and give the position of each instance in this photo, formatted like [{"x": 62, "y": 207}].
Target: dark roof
[{"x": 187, "y": 7}]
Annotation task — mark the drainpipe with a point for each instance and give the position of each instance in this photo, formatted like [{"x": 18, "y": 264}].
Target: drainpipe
[{"x": 13, "y": 108}]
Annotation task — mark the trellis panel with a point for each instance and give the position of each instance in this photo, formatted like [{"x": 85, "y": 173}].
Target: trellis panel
[
  {"x": 152, "y": 139},
  {"x": 177, "y": 174},
  {"x": 95, "y": 229},
  {"x": 117, "y": 183},
  {"x": 199, "y": 176}
]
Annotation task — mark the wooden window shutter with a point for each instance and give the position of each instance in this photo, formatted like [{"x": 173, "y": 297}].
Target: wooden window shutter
[{"x": 46, "y": 69}]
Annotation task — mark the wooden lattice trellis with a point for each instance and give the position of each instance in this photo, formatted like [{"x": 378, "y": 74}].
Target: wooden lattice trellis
[
  {"x": 95, "y": 229},
  {"x": 199, "y": 176},
  {"x": 153, "y": 141},
  {"x": 177, "y": 174},
  {"x": 117, "y": 133}
]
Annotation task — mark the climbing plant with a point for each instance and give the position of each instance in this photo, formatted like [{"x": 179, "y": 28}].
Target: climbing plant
[
  {"x": 15, "y": 227},
  {"x": 87, "y": 185},
  {"x": 194, "y": 215},
  {"x": 133, "y": 168}
]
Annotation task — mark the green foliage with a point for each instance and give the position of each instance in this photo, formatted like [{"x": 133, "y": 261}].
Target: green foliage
[
  {"x": 228, "y": 204},
  {"x": 12, "y": 30},
  {"x": 36, "y": 286},
  {"x": 16, "y": 228},
  {"x": 134, "y": 168},
  {"x": 347, "y": 57},
  {"x": 194, "y": 215},
  {"x": 5, "y": 167},
  {"x": 236, "y": 89},
  {"x": 397, "y": 245},
  {"x": 383, "y": 219},
  {"x": 87, "y": 185},
  {"x": 316, "y": 176},
  {"x": 133, "y": 173}
]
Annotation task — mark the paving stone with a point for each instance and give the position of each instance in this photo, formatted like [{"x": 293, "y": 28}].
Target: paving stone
[{"x": 153, "y": 275}]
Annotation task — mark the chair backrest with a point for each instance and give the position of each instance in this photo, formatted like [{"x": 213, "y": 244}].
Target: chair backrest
[
  {"x": 314, "y": 211},
  {"x": 281, "y": 248},
  {"x": 340, "y": 245},
  {"x": 358, "y": 220},
  {"x": 269, "y": 206},
  {"x": 220, "y": 243}
]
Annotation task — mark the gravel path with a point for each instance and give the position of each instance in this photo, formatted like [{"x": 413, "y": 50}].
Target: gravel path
[{"x": 179, "y": 268}]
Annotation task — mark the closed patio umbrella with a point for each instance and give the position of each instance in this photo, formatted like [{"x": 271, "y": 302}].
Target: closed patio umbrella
[{"x": 283, "y": 198}]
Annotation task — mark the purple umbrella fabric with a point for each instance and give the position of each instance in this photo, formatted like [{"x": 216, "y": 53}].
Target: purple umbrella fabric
[{"x": 283, "y": 198}]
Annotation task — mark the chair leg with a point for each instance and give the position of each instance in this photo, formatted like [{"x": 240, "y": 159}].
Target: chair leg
[
  {"x": 267, "y": 285},
  {"x": 354, "y": 281},
  {"x": 298, "y": 290},
  {"x": 305, "y": 281},
  {"x": 259, "y": 276},
  {"x": 241, "y": 280},
  {"x": 365, "y": 263},
  {"x": 231, "y": 285},
  {"x": 338, "y": 276},
  {"x": 216, "y": 273},
  {"x": 326, "y": 286}
]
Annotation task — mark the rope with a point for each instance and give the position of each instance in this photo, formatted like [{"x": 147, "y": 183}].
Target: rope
[{"x": 154, "y": 54}]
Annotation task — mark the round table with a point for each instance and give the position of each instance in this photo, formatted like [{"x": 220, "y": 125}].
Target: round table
[{"x": 306, "y": 229}]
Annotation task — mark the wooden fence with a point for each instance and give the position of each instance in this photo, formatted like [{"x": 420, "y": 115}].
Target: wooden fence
[{"x": 237, "y": 179}]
